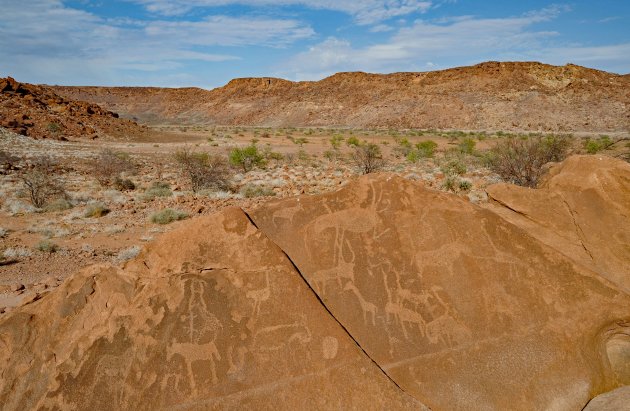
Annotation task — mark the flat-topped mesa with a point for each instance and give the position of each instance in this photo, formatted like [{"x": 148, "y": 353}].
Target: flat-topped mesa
[{"x": 382, "y": 295}]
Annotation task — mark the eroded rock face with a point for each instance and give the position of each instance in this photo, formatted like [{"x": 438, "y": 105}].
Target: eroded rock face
[
  {"x": 461, "y": 308},
  {"x": 383, "y": 295},
  {"x": 582, "y": 209},
  {"x": 211, "y": 317},
  {"x": 487, "y": 96},
  {"x": 37, "y": 111}
]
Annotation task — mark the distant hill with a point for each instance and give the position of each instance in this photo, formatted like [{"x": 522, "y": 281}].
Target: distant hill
[
  {"x": 37, "y": 111},
  {"x": 492, "y": 95}
]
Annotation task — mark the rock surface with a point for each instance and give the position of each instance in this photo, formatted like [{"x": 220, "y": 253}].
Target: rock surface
[
  {"x": 213, "y": 316},
  {"x": 382, "y": 295},
  {"x": 581, "y": 209},
  {"x": 493, "y": 95},
  {"x": 37, "y": 111},
  {"x": 617, "y": 400}
]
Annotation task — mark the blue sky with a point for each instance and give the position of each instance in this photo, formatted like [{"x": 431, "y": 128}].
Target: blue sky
[{"x": 205, "y": 43}]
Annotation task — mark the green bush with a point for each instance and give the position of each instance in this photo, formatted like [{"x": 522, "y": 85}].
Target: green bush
[
  {"x": 247, "y": 158},
  {"x": 595, "y": 146},
  {"x": 465, "y": 185},
  {"x": 521, "y": 161},
  {"x": 467, "y": 146},
  {"x": 453, "y": 167},
  {"x": 335, "y": 141},
  {"x": 426, "y": 148},
  {"x": 167, "y": 216},
  {"x": 353, "y": 142}
]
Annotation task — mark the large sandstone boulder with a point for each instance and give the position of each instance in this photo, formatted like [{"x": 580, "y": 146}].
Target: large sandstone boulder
[
  {"x": 463, "y": 309},
  {"x": 582, "y": 209},
  {"x": 383, "y": 295},
  {"x": 213, "y": 316}
]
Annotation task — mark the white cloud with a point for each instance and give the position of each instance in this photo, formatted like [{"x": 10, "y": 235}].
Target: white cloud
[
  {"x": 49, "y": 42},
  {"x": 364, "y": 11},
  {"x": 447, "y": 42}
]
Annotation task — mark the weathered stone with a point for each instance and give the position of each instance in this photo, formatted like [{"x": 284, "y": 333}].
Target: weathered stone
[{"x": 212, "y": 316}]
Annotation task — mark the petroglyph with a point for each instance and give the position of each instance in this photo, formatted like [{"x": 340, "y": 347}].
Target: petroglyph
[
  {"x": 330, "y": 345},
  {"x": 366, "y": 306}
]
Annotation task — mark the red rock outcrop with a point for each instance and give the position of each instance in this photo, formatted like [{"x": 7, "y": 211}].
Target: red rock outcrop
[
  {"x": 37, "y": 111},
  {"x": 493, "y": 95},
  {"x": 383, "y": 295}
]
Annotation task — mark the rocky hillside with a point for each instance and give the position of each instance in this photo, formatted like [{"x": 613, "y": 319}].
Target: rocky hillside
[
  {"x": 498, "y": 96},
  {"x": 382, "y": 295},
  {"x": 37, "y": 111}
]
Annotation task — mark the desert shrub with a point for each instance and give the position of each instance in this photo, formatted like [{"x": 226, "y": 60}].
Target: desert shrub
[
  {"x": 426, "y": 148},
  {"x": 300, "y": 141},
  {"x": 254, "y": 190},
  {"x": 595, "y": 146},
  {"x": 96, "y": 210},
  {"x": 403, "y": 147},
  {"x": 521, "y": 161},
  {"x": 451, "y": 183},
  {"x": 124, "y": 184},
  {"x": 47, "y": 246},
  {"x": 60, "y": 204},
  {"x": 17, "y": 252},
  {"x": 368, "y": 158},
  {"x": 41, "y": 183},
  {"x": 247, "y": 158},
  {"x": 110, "y": 165},
  {"x": 333, "y": 155},
  {"x": 465, "y": 185},
  {"x": 353, "y": 142},
  {"x": 271, "y": 155},
  {"x": 453, "y": 167},
  {"x": 335, "y": 141},
  {"x": 204, "y": 171},
  {"x": 128, "y": 253},
  {"x": 157, "y": 189},
  {"x": 467, "y": 145},
  {"x": 167, "y": 216}
]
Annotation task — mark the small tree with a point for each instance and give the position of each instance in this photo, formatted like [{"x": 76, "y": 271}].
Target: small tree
[
  {"x": 335, "y": 141},
  {"x": 247, "y": 157},
  {"x": 521, "y": 161},
  {"x": 40, "y": 182},
  {"x": 424, "y": 149},
  {"x": 368, "y": 158},
  {"x": 109, "y": 166},
  {"x": 204, "y": 171}
]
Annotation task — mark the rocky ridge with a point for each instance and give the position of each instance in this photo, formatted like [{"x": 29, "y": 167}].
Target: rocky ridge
[
  {"x": 488, "y": 96},
  {"x": 37, "y": 111}
]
